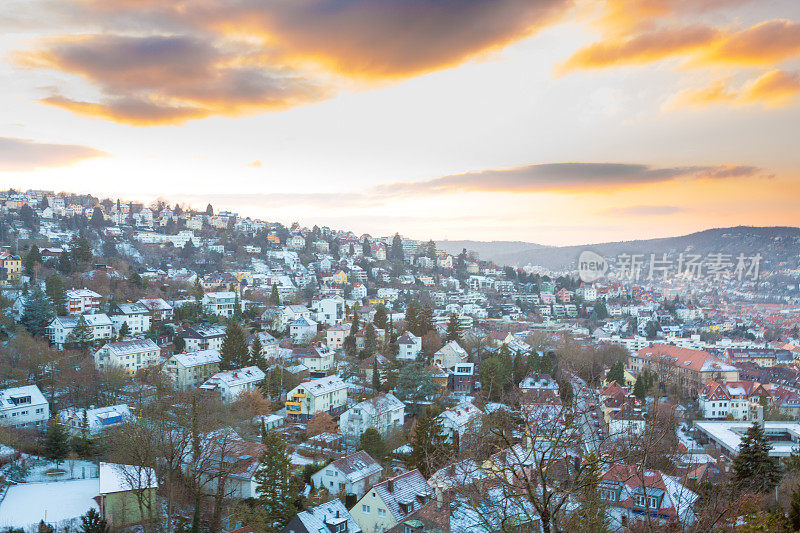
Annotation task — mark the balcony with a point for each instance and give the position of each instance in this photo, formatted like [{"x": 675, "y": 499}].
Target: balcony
[
  {"x": 296, "y": 413},
  {"x": 298, "y": 395},
  {"x": 293, "y": 403}
]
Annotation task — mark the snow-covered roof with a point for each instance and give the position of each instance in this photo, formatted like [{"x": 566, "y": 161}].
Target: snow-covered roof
[
  {"x": 97, "y": 319},
  {"x": 318, "y": 387},
  {"x": 332, "y": 513},
  {"x": 461, "y": 414},
  {"x": 357, "y": 466},
  {"x": 120, "y": 478},
  {"x": 130, "y": 347},
  {"x": 201, "y": 357},
  {"x": 8, "y": 396},
  {"x": 132, "y": 309},
  {"x": 234, "y": 378}
]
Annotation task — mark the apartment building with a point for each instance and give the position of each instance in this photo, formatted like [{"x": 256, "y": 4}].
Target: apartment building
[
  {"x": 190, "y": 370},
  {"x": 328, "y": 394},
  {"x": 130, "y": 356}
]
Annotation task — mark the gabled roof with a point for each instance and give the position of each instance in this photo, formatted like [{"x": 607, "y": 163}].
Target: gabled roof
[
  {"x": 695, "y": 360},
  {"x": 201, "y": 357},
  {"x": 357, "y": 466},
  {"x": 131, "y": 347},
  {"x": 409, "y": 490},
  {"x": 322, "y": 517}
]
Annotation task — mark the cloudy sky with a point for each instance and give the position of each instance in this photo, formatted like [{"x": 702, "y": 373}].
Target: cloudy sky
[{"x": 551, "y": 121}]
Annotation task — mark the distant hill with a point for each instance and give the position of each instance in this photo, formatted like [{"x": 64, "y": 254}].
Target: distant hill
[
  {"x": 488, "y": 250},
  {"x": 781, "y": 244}
]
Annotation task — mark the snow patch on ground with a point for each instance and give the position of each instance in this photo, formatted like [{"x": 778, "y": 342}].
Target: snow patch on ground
[{"x": 26, "y": 504}]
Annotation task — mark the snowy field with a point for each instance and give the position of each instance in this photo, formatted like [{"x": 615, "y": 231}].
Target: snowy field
[{"x": 26, "y": 504}]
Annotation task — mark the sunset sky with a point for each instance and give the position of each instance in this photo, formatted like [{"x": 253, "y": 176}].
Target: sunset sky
[{"x": 551, "y": 121}]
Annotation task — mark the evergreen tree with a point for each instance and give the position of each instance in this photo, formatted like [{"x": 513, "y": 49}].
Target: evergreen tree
[
  {"x": 274, "y": 487},
  {"x": 209, "y": 210},
  {"x": 396, "y": 253},
  {"x": 64, "y": 263},
  {"x": 616, "y": 373},
  {"x": 372, "y": 443},
  {"x": 794, "y": 509},
  {"x": 370, "y": 341},
  {"x": 274, "y": 297},
  {"x": 355, "y": 324},
  {"x": 640, "y": 387},
  {"x": 97, "y": 220},
  {"x": 81, "y": 250},
  {"x": 426, "y": 320},
  {"x": 429, "y": 451},
  {"x": 413, "y": 311},
  {"x": 179, "y": 344},
  {"x": 81, "y": 335},
  {"x": 380, "y": 319},
  {"x": 414, "y": 384},
  {"x": 376, "y": 376},
  {"x": 92, "y": 522},
  {"x": 37, "y": 313},
  {"x": 56, "y": 445},
  {"x": 256, "y": 357},
  {"x": 349, "y": 345},
  {"x": 235, "y": 351},
  {"x": 453, "y": 329},
  {"x": 109, "y": 248},
  {"x": 124, "y": 330},
  {"x": 54, "y": 288},
  {"x": 198, "y": 291},
  {"x": 31, "y": 259},
  {"x": 753, "y": 468},
  {"x": 237, "y": 307}
]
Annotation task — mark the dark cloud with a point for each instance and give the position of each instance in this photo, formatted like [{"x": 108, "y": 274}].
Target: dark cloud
[
  {"x": 23, "y": 155},
  {"x": 168, "y": 79},
  {"x": 562, "y": 177}
]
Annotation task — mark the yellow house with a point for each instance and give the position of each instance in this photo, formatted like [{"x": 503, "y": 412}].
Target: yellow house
[
  {"x": 12, "y": 265},
  {"x": 340, "y": 278},
  {"x": 387, "y": 504}
]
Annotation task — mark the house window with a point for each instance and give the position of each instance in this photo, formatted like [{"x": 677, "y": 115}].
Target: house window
[
  {"x": 365, "y": 508},
  {"x": 381, "y": 512}
]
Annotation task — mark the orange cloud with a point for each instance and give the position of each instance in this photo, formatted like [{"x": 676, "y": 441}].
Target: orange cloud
[
  {"x": 229, "y": 58},
  {"x": 764, "y": 43},
  {"x": 24, "y": 155},
  {"x": 773, "y": 89},
  {"x": 776, "y": 88},
  {"x": 641, "y": 48}
]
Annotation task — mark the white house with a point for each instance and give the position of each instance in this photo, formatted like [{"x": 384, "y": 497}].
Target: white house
[
  {"x": 80, "y": 301},
  {"x": 99, "y": 326},
  {"x": 135, "y": 315},
  {"x": 220, "y": 303},
  {"x": 410, "y": 346},
  {"x": 130, "y": 356},
  {"x": 384, "y": 413},
  {"x": 318, "y": 358},
  {"x": 460, "y": 420},
  {"x": 91, "y": 422},
  {"x": 23, "y": 406},
  {"x": 188, "y": 370},
  {"x": 450, "y": 355},
  {"x": 328, "y": 394},
  {"x": 329, "y": 310},
  {"x": 302, "y": 330},
  {"x": 354, "y": 474},
  {"x": 335, "y": 335},
  {"x": 232, "y": 383},
  {"x": 203, "y": 338}
]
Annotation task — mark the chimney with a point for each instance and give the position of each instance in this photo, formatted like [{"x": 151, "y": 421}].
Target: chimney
[{"x": 390, "y": 485}]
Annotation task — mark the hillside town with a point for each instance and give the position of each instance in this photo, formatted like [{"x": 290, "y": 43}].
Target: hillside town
[{"x": 168, "y": 369}]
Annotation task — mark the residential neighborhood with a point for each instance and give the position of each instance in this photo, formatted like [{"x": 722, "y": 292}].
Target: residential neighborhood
[{"x": 163, "y": 368}]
